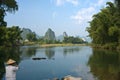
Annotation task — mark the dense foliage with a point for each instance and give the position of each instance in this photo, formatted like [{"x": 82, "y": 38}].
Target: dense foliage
[
  {"x": 73, "y": 40},
  {"x": 66, "y": 40},
  {"x": 31, "y": 37},
  {"x": 105, "y": 27},
  {"x": 10, "y": 36}
]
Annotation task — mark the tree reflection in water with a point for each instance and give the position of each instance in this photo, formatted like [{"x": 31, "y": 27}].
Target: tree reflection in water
[
  {"x": 27, "y": 52},
  {"x": 105, "y": 65},
  {"x": 7, "y": 53}
]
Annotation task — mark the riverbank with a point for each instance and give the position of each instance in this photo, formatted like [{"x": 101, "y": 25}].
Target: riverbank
[
  {"x": 52, "y": 45},
  {"x": 109, "y": 46},
  {"x": 60, "y": 45}
]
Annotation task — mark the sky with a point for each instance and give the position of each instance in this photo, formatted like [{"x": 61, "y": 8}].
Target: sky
[{"x": 70, "y": 16}]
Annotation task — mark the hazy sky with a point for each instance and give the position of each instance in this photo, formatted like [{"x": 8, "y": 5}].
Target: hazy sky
[{"x": 69, "y": 16}]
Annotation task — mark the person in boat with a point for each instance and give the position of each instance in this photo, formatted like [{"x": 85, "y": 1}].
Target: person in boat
[{"x": 11, "y": 70}]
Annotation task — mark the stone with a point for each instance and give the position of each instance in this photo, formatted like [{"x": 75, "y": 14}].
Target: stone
[{"x": 72, "y": 78}]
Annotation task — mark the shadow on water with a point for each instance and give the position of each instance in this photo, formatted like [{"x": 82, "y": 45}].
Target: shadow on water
[
  {"x": 105, "y": 65},
  {"x": 7, "y": 53}
]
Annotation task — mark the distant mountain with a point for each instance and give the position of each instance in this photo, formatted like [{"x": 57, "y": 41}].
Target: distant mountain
[
  {"x": 49, "y": 35},
  {"x": 65, "y": 34},
  {"x": 61, "y": 37},
  {"x": 25, "y": 32}
]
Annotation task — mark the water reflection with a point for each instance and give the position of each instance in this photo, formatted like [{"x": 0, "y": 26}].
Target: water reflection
[
  {"x": 50, "y": 53},
  {"x": 105, "y": 65},
  {"x": 27, "y": 52},
  {"x": 5, "y": 54},
  {"x": 70, "y": 50}
]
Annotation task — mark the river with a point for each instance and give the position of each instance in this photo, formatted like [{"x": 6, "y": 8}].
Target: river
[{"x": 37, "y": 63}]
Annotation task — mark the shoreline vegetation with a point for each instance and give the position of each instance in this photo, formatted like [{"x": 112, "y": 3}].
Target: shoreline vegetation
[
  {"x": 96, "y": 46},
  {"x": 60, "y": 45},
  {"x": 53, "y": 45},
  {"x": 109, "y": 46},
  {"x": 104, "y": 28}
]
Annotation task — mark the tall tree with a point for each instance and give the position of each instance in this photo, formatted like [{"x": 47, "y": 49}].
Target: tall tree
[
  {"x": 105, "y": 26},
  {"x": 7, "y": 6}
]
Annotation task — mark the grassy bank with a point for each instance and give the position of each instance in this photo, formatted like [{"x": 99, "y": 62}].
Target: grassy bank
[
  {"x": 57, "y": 45},
  {"x": 52, "y": 45}
]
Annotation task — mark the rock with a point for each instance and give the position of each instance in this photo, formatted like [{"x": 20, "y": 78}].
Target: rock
[
  {"x": 72, "y": 78},
  {"x": 55, "y": 79}
]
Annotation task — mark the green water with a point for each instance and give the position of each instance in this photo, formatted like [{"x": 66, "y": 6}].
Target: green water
[{"x": 78, "y": 61}]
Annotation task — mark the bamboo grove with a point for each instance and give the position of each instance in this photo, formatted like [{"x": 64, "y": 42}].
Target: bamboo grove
[{"x": 104, "y": 28}]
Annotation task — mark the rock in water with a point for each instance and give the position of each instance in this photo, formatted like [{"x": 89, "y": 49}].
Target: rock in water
[{"x": 72, "y": 78}]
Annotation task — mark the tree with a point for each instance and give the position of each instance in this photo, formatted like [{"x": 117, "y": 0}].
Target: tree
[
  {"x": 74, "y": 40},
  {"x": 105, "y": 26},
  {"x": 7, "y": 34},
  {"x": 6, "y": 6},
  {"x": 2, "y": 14},
  {"x": 31, "y": 37},
  {"x": 12, "y": 36},
  {"x": 2, "y": 35}
]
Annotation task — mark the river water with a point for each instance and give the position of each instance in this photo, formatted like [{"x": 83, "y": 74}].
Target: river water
[{"x": 37, "y": 63}]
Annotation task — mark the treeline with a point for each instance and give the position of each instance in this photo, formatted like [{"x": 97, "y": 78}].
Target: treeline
[
  {"x": 104, "y": 28},
  {"x": 73, "y": 40},
  {"x": 69, "y": 39}
]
